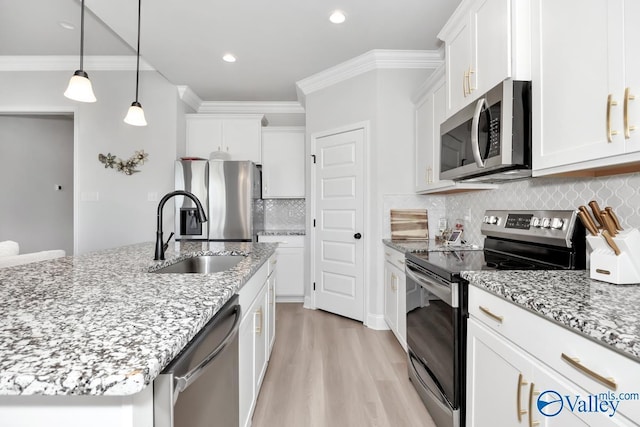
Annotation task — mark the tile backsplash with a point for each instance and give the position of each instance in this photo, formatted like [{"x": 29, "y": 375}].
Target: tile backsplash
[
  {"x": 621, "y": 192},
  {"x": 283, "y": 214}
]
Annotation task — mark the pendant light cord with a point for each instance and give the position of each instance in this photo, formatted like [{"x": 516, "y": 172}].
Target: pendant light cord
[
  {"x": 82, "y": 36},
  {"x": 138, "y": 50}
]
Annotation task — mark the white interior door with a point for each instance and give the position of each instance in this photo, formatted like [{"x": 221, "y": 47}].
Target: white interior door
[{"x": 339, "y": 247}]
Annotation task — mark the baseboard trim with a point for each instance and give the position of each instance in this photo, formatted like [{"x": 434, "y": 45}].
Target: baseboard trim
[
  {"x": 308, "y": 304},
  {"x": 377, "y": 322}
]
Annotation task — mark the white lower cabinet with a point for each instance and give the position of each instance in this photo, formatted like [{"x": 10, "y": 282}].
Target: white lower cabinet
[
  {"x": 290, "y": 272},
  {"x": 510, "y": 381},
  {"x": 256, "y": 329},
  {"x": 395, "y": 307}
]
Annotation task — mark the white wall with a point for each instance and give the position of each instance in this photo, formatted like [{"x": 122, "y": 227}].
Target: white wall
[
  {"x": 122, "y": 214},
  {"x": 37, "y": 155},
  {"x": 381, "y": 98}
]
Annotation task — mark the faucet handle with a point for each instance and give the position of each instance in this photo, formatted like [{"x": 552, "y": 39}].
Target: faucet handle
[{"x": 166, "y": 245}]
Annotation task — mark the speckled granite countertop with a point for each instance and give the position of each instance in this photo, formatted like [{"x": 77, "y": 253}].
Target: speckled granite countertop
[
  {"x": 101, "y": 324},
  {"x": 281, "y": 233},
  {"x": 608, "y": 314},
  {"x": 418, "y": 246}
]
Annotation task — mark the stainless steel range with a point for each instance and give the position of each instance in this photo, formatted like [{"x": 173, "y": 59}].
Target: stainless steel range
[{"x": 437, "y": 296}]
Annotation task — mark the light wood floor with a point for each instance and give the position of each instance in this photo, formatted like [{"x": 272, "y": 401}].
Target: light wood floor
[{"x": 329, "y": 371}]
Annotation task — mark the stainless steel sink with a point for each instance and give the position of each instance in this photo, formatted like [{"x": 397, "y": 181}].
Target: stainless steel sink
[{"x": 203, "y": 264}]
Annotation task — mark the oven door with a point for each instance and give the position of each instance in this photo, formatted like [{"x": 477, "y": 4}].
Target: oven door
[{"x": 434, "y": 340}]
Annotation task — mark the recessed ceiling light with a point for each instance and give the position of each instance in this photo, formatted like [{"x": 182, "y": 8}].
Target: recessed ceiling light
[
  {"x": 229, "y": 58},
  {"x": 67, "y": 25},
  {"x": 337, "y": 17}
]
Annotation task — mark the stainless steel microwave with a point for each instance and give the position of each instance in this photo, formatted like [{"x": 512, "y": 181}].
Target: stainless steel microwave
[{"x": 489, "y": 140}]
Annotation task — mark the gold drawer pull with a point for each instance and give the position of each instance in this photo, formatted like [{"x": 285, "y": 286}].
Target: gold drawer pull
[
  {"x": 575, "y": 362},
  {"x": 488, "y": 312},
  {"x": 627, "y": 127},
  {"x": 532, "y": 393},
  {"x": 400, "y": 262},
  {"x": 520, "y": 411},
  {"x": 610, "y": 133}
]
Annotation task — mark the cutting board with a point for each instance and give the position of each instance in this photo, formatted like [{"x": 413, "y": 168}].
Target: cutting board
[{"x": 409, "y": 224}]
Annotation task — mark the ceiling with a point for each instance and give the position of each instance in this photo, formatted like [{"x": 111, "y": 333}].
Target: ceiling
[{"x": 277, "y": 42}]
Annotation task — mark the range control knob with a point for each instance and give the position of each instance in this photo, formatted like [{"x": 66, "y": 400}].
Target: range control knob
[
  {"x": 535, "y": 222},
  {"x": 557, "y": 223},
  {"x": 493, "y": 219},
  {"x": 546, "y": 222},
  {"x": 486, "y": 219}
]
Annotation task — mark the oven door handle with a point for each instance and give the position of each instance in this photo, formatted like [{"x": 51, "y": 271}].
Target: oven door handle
[
  {"x": 448, "y": 294},
  {"x": 475, "y": 132},
  {"x": 183, "y": 382}
]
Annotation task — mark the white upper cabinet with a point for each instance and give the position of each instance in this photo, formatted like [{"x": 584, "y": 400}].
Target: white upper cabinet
[
  {"x": 578, "y": 75},
  {"x": 430, "y": 102},
  {"x": 239, "y": 135},
  {"x": 486, "y": 41},
  {"x": 283, "y": 163},
  {"x": 631, "y": 96}
]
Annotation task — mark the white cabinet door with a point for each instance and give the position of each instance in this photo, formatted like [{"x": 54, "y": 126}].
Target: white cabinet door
[
  {"x": 425, "y": 142},
  {"x": 204, "y": 135},
  {"x": 402, "y": 309},
  {"x": 260, "y": 337},
  {"x": 498, "y": 380},
  {"x": 491, "y": 45},
  {"x": 458, "y": 65},
  {"x": 631, "y": 126},
  {"x": 246, "y": 373},
  {"x": 578, "y": 81},
  {"x": 391, "y": 296},
  {"x": 283, "y": 163},
  {"x": 289, "y": 276},
  {"x": 242, "y": 138}
]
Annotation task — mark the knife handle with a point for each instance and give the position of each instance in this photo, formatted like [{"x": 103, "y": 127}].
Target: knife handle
[
  {"x": 614, "y": 217},
  {"x": 608, "y": 224},
  {"x": 610, "y": 242},
  {"x": 595, "y": 208},
  {"x": 588, "y": 223},
  {"x": 587, "y": 217}
]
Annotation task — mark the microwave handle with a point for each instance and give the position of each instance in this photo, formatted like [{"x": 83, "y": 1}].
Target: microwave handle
[{"x": 475, "y": 130}]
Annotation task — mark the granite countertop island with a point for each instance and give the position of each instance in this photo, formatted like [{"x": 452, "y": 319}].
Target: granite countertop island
[
  {"x": 102, "y": 323},
  {"x": 606, "y": 313},
  {"x": 421, "y": 246}
]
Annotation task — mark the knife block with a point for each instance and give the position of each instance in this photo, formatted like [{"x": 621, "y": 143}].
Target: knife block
[{"x": 620, "y": 269}]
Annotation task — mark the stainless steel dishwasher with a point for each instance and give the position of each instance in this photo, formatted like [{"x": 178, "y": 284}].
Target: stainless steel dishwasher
[{"x": 200, "y": 386}]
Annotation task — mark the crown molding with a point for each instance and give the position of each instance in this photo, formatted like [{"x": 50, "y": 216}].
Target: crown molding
[
  {"x": 372, "y": 60},
  {"x": 252, "y": 107},
  {"x": 71, "y": 62},
  {"x": 189, "y": 97}
]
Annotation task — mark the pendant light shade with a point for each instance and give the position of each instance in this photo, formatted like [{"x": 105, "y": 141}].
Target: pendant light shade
[
  {"x": 80, "y": 88},
  {"x": 135, "y": 115}
]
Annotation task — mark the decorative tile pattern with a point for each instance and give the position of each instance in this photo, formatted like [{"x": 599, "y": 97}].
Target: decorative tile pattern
[
  {"x": 606, "y": 313},
  {"x": 621, "y": 192},
  {"x": 101, "y": 324},
  {"x": 284, "y": 214}
]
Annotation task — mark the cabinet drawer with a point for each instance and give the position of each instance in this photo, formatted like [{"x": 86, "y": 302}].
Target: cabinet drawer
[
  {"x": 556, "y": 346},
  {"x": 394, "y": 257},
  {"x": 284, "y": 241}
]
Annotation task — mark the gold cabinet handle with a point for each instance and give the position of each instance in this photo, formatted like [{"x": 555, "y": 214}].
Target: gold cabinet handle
[
  {"x": 400, "y": 262},
  {"x": 488, "y": 312},
  {"x": 471, "y": 88},
  {"x": 519, "y": 409},
  {"x": 465, "y": 79},
  {"x": 532, "y": 393},
  {"x": 259, "y": 328},
  {"x": 610, "y": 103},
  {"x": 393, "y": 282},
  {"x": 625, "y": 107},
  {"x": 575, "y": 362},
  {"x": 387, "y": 254}
]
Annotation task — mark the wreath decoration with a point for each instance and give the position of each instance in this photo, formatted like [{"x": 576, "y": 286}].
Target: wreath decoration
[{"x": 128, "y": 167}]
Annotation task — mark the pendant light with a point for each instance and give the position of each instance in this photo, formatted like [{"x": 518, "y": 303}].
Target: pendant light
[
  {"x": 79, "y": 88},
  {"x": 135, "y": 115}
]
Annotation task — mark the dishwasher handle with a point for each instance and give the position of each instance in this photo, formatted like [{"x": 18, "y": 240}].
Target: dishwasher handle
[{"x": 183, "y": 382}]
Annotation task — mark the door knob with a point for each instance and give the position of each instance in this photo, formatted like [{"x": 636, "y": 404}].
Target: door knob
[{"x": 357, "y": 236}]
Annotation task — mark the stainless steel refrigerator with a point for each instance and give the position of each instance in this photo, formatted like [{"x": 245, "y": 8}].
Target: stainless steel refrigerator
[{"x": 229, "y": 191}]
